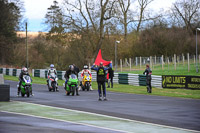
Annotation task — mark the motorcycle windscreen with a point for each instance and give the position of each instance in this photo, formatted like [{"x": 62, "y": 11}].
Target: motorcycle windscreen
[
  {"x": 53, "y": 75},
  {"x": 73, "y": 76},
  {"x": 27, "y": 79}
]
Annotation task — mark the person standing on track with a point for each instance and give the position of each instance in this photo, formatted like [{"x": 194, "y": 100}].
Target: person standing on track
[
  {"x": 111, "y": 75},
  {"x": 148, "y": 73},
  {"x": 101, "y": 78}
]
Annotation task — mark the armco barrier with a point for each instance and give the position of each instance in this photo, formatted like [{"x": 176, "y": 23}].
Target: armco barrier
[
  {"x": 14, "y": 73},
  {"x": 59, "y": 74},
  {"x": 10, "y": 71},
  {"x": 7, "y": 71},
  {"x": 1, "y": 70},
  {"x": 131, "y": 79},
  {"x": 142, "y": 80},
  {"x": 123, "y": 78},
  {"x": 36, "y": 73}
]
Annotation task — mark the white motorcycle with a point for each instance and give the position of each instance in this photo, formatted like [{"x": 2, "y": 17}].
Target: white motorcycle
[{"x": 52, "y": 82}]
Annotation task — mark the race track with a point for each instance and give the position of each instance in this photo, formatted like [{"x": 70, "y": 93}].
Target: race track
[{"x": 174, "y": 112}]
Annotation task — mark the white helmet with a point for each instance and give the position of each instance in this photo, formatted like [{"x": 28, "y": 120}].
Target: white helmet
[
  {"x": 52, "y": 66},
  {"x": 24, "y": 70}
]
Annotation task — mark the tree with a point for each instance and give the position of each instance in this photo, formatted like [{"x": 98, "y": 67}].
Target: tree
[
  {"x": 142, "y": 6},
  {"x": 155, "y": 41},
  {"x": 89, "y": 17},
  {"x": 54, "y": 19},
  {"x": 10, "y": 17},
  {"x": 125, "y": 19},
  {"x": 186, "y": 13}
]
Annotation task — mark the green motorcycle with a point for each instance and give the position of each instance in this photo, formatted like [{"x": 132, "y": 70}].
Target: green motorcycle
[
  {"x": 72, "y": 85},
  {"x": 26, "y": 86}
]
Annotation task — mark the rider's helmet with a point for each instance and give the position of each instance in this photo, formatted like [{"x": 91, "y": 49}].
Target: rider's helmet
[
  {"x": 71, "y": 67},
  {"x": 101, "y": 64},
  {"x": 52, "y": 66},
  {"x": 85, "y": 67},
  {"x": 25, "y": 70}
]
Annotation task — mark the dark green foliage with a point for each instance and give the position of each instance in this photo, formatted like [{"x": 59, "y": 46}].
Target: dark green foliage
[
  {"x": 164, "y": 41},
  {"x": 10, "y": 16}
]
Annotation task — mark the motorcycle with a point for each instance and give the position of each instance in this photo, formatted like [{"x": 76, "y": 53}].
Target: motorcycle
[
  {"x": 26, "y": 86},
  {"x": 72, "y": 85},
  {"x": 52, "y": 82},
  {"x": 87, "y": 79}
]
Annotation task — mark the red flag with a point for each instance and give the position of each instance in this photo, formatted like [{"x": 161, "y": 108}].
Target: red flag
[{"x": 99, "y": 59}]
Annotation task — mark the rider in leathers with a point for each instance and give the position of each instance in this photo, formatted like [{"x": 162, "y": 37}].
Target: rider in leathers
[
  {"x": 52, "y": 70},
  {"x": 85, "y": 71},
  {"x": 69, "y": 72},
  {"x": 148, "y": 73},
  {"x": 24, "y": 72}
]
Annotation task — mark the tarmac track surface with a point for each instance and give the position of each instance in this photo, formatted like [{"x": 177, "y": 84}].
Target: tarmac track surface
[{"x": 175, "y": 112}]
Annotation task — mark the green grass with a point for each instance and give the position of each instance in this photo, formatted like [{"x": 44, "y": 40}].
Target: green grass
[
  {"x": 183, "y": 93},
  {"x": 168, "y": 70}
]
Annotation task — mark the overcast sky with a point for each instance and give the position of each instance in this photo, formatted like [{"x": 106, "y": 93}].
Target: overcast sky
[{"x": 35, "y": 11}]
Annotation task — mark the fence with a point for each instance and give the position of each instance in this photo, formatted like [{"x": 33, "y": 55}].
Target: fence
[
  {"x": 119, "y": 78},
  {"x": 10, "y": 71},
  {"x": 186, "y": 62}
]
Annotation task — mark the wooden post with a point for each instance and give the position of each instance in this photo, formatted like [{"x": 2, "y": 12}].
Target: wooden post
[
  {"x": 162, "y": 62},
  {"x": 168, "y": 62},
  {"x": 174, "y": 61},
  {"x": 136, "y": 61},
  {"x": 183, "y": 59},
  {"x": 188, "y": 57},
  {"x": 140, "y": 61},
  {"x": 199, "y": 59},
  {"x": 125, "y": 63},
  {"x": 194, "y": 59},
  {"x": 178, "y": 58},
  {"x": 151, "y": 62},
  {"x": 27, "y": 48},
  {"x": 130, "y": 63},
  {"x": 121, "y": 64}
]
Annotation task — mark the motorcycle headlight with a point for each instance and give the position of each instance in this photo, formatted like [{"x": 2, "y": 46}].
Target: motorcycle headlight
[{"x": 56, "y": 79}]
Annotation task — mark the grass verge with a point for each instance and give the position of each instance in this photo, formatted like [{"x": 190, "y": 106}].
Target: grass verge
[{"x": 183, "y": 93}]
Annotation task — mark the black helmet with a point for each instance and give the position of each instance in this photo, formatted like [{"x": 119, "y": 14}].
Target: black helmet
[{"x": 85, "y": 67}]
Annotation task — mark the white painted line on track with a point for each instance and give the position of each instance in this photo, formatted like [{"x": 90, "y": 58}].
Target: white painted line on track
[
  {"x": 78, "y": 111},
  {"x": 78, "y": 123}
]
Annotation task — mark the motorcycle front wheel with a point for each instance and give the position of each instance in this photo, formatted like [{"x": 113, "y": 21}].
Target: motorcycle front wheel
[
  {"x": 73, "y": 90},
  {"x": 53, "y": 86}
]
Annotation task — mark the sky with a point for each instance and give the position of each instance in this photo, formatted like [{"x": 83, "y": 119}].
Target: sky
[{"x": 35, "y": 11}]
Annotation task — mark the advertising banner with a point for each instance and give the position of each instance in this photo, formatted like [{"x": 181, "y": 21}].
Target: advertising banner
[{"x": 177, "y": 81}]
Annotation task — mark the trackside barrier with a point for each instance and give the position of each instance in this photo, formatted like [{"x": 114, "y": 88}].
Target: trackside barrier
[
  {"x": 10, "y": 71},
  {"x": 133, "y": 79},
  {"x": 119, "y": 78}
]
